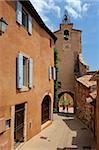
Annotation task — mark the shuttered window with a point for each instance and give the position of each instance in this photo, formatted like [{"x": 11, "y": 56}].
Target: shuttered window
[
  {"x": 24, "y": 72},
  {"x": 50, "y": 72},
  {"x": 30, "y": 72},
  {"x": 54, "y": 73},
  {"x": 23, "y": 17},
  {"x": 20, "y": 71},
  {"x": 19, "y": 12},
  {"x": 29, "y": 24}
]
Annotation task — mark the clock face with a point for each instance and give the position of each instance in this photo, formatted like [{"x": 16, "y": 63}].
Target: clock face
[{"x": 66, "y": 35}]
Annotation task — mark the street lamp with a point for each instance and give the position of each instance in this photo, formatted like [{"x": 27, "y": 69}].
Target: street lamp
[{"x": 3, "y": 25}]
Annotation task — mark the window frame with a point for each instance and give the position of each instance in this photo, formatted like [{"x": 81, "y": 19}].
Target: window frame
[
  {"x": 28, "y": 26},
  {"x": 25, "y": 71},
  {"x": 25, "y": 88},
  {"x": 26, "y": 13}
]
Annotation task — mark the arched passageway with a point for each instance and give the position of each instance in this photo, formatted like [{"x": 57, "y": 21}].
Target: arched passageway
[
  {"x": 46, "y": 109},
  {"x": 66, "y": 102}
]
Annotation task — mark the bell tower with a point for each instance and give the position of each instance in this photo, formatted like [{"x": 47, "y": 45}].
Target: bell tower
[
  {"x": 66, "y": 18},
  {"x": 66, "y": 22}
]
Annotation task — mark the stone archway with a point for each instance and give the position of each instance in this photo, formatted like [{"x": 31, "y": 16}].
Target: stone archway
[
  {"x": 66, "y": 102},
  {"x": 46, "y": 109}
]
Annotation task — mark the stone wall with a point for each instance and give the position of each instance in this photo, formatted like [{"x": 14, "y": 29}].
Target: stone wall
[{"x": 85, "y": 111}]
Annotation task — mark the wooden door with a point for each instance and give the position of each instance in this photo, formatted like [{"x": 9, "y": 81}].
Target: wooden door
[
  {"x": 19, "y": 123},
  {"x": 45, "y": 109}
]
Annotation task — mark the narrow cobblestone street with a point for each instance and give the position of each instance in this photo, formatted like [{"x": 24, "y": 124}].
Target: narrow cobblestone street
[{"x": 65, "y": 133}]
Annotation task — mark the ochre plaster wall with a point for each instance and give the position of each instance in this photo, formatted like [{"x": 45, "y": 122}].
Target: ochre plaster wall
[{"x": 37, "y": 46}]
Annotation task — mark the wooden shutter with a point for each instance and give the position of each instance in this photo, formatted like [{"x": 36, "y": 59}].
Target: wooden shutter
[
  {"x": 20, "y": 71},
  {"x": 54, "y": 73},
  {"x": 29, "y": 24},
  {"x": 30, "y": 72},
  {"x": 50, "y": 73},
  {"x": 19, "y": 12}
]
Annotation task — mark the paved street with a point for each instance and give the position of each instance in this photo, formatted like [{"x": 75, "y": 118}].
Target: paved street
[{"x": 65, "y": 133}]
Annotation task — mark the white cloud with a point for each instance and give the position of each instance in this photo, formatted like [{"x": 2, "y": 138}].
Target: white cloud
[
  {"x": 85, "y": 7},
  {"x": 43, "y": 7},
  {"x": 46, "y": 8},
  {"x": 72, "y": 12},
  {"x": 76, "y": 8}
]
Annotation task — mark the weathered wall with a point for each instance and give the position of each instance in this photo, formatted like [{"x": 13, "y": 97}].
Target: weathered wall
[
  {"x": 37, "y": 46},
  {"x": 83, "y": 69},
  {"x": 85, "y": 111}
]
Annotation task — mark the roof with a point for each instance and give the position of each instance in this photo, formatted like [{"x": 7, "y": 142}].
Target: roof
[
  {"x": 95, "y": 76},
  {"x": 77, "y": 30},
  {"x": 28, "y": 5},
  {"x": 72, "y": 29},
  {"x": 57, "y": 31},
  {"x": 67, "y": 24},
  {"x": 85, "y": 80}
]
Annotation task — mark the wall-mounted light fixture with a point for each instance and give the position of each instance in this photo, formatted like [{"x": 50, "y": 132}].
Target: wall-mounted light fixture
[{"x": 3, "y": 25}]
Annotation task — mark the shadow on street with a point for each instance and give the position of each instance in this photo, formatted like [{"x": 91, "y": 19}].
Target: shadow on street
[{"x": 84, "y": 139}]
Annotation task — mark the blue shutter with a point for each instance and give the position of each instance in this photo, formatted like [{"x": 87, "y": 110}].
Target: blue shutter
[
  {"x": 30, "y": 72},
  {"x": 29, "y": 24},
  {"x": 19, "y": 13},
  {"x": 54, "y": 73},
  {"x": 50, "y": 73},
  {"x": 20, "y": 71}
]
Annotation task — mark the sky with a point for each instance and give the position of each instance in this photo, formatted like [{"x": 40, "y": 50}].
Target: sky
[{"x": 84, "y": 14}]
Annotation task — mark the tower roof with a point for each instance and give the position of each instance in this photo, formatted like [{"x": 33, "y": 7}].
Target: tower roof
[{"x": 66, "y": 18}]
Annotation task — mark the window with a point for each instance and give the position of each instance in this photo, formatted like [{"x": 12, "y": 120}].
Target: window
[
  {"x": 24, "y": 18},
  {"x": 24, "y": 72},
  {"x": 66, "y": 34},
  {"x": 52, "y": 73}
]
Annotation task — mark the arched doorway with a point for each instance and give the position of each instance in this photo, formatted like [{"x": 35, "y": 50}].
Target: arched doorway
[
  {"x": 46, "y": 109},
  {"x": 66, "y": 102}
]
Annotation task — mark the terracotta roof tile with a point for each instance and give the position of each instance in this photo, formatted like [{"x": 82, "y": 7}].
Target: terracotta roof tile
[{"x": 85, "y": 80}]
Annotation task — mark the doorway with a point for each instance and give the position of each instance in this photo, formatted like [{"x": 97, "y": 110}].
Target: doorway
[
  {"x": 66, "y": 103},
  {"x": 19, "y": 124},
  {"x": 46, "y": 109}
]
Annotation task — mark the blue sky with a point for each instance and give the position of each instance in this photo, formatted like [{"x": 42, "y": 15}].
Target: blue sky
[{"x": 84, "y": 15}]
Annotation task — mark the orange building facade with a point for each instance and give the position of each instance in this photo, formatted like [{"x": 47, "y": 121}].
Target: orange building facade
[{"x": 26, "y": 81}]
